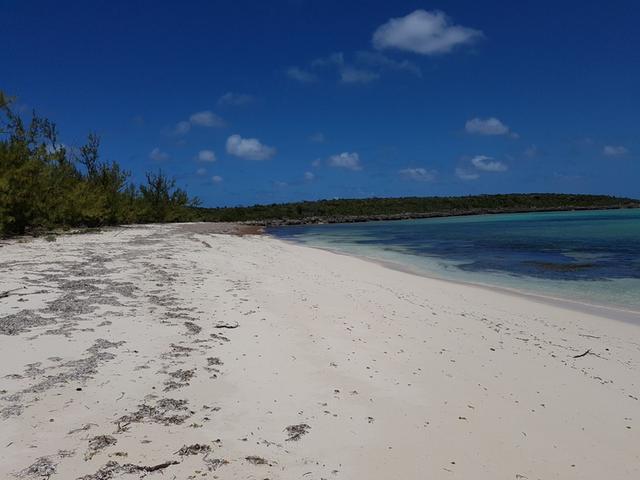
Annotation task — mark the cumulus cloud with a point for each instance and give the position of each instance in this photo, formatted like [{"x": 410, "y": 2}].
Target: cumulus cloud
[
  {"x": 201, "y": 172},
  {"x": 316, "y": 163},
  {"x": 487, "y": 126},
  {"x": 419, "y": 174},
  {"x": 614, "y": 150},
  {"x": 334, "y": 59},
  {"x": 158, "y": 155},
  {"x": 347, "y": 160},
  {"x": 464, "y": 174},
  {"x": 301, "y": 75},
  {"x": 206, "y": 118},
  {"x": 355, "y": 75},
  {"x": 423, "y": 32},
  {"x": 235, "y": 99},
  {"x": 377, "y": 59},
  {"x": 182, "y": 127},
  {"x": 249, "y": 148},
  {"x": 488, "y": 164},
  {"x": 309, "y": 176},
  {"x": 216, "y": 179},
  {"x": 206, "y": 156}
]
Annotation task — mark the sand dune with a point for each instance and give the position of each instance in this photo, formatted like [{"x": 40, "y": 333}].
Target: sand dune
[{"x": 175, "y": 352}]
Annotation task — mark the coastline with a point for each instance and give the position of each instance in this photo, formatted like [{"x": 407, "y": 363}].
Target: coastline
[
  {"x": 613, "y": 312},
  {"x": 346, "y": 219},
  {"x": 172, "y": 350}
]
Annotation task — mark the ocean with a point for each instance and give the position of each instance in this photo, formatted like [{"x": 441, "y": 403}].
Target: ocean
[{"x": 592, "y": 257}]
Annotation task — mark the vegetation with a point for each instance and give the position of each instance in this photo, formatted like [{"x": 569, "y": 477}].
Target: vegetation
[
  {"x": 349, "y": 210},
  {"x": 45, "y": 185}
]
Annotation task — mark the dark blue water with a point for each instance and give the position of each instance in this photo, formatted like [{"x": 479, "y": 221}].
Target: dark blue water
[{"x": 589, "y": 256}]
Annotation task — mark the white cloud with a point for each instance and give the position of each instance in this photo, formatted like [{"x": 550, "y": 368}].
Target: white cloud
[
  {"x": 427, "y": 33},
  {"x": 309, "y": 176},
  {"x": 332, "y": 60},
  {"x": 465, "y": 174},
  {"x": 487, "y": 164},
  {"x": 201, "y": 172},
  {"x": 235, "y": 99},
  {"x": 486, "y": 126},
  {"x": 158, "y": 155},
  {"x": 182, "y": 127},
  {"x": 316, "y": 163},
  {"x": 346, "y": 160},
  {"x": 216, "y": 179},
  {"x": 317, "y": 137},
  {"x": 206, "y": 156},
  {"x": 614, "y": 150},
  {"x": 419, "y": 174},
  {"x": 300, "y": 75},
  {"x": 356, "y": 75},
  {"x": 377, "y": 59},
  {"x": 206, "y": 118},
  {"x": 249, "y": 148}
]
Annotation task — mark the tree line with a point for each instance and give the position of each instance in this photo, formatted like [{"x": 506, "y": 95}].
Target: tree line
[
  {"x": 45, "y": 185},
  {"x": 366, "y": 209}
]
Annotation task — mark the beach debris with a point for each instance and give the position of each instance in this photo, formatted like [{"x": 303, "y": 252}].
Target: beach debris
[
  {"x": 226, "y": 325},
  {"x": 177, "y": 351},
  {"x": 255, "y": 460},
  {"x": 22, "y": 321},
  {"x": 211, "y": 361},
  {"x": 75, "y": 371},
  {"x": 180, "y": 378},
  {"x": 83, "y": 428},
  {"x": 195, "y": 449},
  {"x": 6, "y": 293},
  {"x": 97, "y": 444},
  {"x": 113, "y": 469},
  {"x": 164, "y": 412},
  {"x": 214, "y": 463},
  {"x": 583, "y": 354},
  {"x": 296, "y": 432},
  {"x": 192, "y": 328},
  {"x": 43, "y": 467},
  {"x": 222, "y": 338}
]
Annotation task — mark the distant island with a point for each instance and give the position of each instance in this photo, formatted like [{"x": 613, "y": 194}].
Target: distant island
[
  {"x": 403, "y": 208},
  {"x": 45, "y": 185}
]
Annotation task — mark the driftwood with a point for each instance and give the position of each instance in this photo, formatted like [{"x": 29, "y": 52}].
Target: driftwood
[
  {"x": 582, "y": 354},
  {"x": 155, "y": 468},
  {"x": 6, "y": 293},
  {"x": 226, "y": 325}
]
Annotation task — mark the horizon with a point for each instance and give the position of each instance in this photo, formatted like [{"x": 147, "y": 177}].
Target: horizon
[
  {"x": 433, "y": 196},
  {"x": 300, "y": 100}
]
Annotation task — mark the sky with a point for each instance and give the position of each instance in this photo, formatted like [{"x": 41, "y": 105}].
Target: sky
[{"x": 248, "y": 102}]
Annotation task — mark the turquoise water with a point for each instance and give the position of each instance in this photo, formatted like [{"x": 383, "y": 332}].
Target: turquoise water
[{"x": 592, "y": 257}]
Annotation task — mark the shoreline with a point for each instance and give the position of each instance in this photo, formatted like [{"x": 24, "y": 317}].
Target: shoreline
[
  {"x": 179, "y": 351},
  {"x": 613, "y": 312},
  {"x": 347, "y": 219}
]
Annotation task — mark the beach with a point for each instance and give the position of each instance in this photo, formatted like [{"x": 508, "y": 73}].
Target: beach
[{"x": 189, "y": 351}]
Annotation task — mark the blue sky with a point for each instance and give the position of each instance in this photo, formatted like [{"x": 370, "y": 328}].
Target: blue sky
[{"x": 260, "y": 102}]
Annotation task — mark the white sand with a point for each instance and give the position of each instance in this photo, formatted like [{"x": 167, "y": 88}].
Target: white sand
[{"x": 397, "y": 376}]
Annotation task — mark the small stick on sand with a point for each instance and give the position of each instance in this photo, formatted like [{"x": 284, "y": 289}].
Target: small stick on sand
[{"x": 582, "y": 354}]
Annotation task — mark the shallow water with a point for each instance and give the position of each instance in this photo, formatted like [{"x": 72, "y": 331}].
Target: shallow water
[{"x": 592, "y": 257}]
